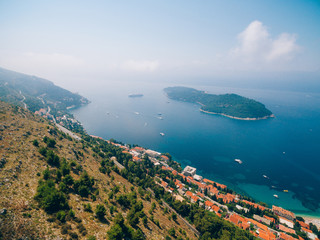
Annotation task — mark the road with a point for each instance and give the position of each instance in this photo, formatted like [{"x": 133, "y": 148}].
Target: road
[
  {"x": 24, "y": 98},
  {"x": 66, "y": 131},
  {"x": 114, "y": 159}
]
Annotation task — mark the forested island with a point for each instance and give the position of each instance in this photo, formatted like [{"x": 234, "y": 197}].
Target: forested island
[{"x": 229, "y": 105}]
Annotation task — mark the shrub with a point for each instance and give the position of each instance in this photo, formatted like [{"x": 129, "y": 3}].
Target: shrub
[
  {"x": 35, "y": 143},
  {"x": 172, "y": 232},
  {"x": 174, "y": 216},
  {"x": 87, "y": 207},
  {"x": 73, "y": 235},
  {"x": 68, "y": 180},
  {"x": 61, "y": 216},
  {"x": 100, "y": 211},
  {"x": 81, "y": 228},
  {"x": 46, "y": 174},
  {"x": 71, "y": 213},
  {"x": 51, "y": 143},
  {"x": 43, "y": 151},
  {"x": 91, "y": 238}
]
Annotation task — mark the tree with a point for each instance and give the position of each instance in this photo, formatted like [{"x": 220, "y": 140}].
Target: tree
[
  {"x": 172, "y": 232},
  {"x": 137, "y": 235},
  {"x": 46, "y": 174},
  {"x": 51, "y": 143},
  {"x": 115, "y": 232},
  {"x": 100, "y": 211},
  {"x": 145, "y": 220},
  {"x": 35, "y": 143},
  {"x": 174, "y": 216},
  {"x": 49, "y": 198},
  {"x": 52, "y": 158},
  {"x": 68, "y": 180}
]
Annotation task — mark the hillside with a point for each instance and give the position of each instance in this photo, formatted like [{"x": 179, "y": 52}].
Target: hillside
[
  {"x": 52, "y": 185},
  {"x": 42, "y": 97},
  {"x": 230, "y": 105}
]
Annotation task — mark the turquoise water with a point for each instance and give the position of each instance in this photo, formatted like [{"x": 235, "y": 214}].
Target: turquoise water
[{"x": 285, "y": 148}]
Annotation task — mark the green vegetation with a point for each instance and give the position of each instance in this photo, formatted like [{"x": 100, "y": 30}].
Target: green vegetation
[
  {"x": 77, "y": 181},
  {"x": 35, "y": 90},
  {"x": 228, "y": 104}
]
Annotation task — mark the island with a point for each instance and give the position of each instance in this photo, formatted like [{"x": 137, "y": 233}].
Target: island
[
  {"x": 228, "y": 105},
  {"x": 134, "y": 95}
]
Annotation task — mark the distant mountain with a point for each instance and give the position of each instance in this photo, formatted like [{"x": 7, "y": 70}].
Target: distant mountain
[
  {"x": 35, "y": 93},
  {"x": 229, "y": 105}
]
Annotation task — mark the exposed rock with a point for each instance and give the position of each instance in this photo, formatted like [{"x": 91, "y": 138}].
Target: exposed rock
[{"x": 3, "y": 211}]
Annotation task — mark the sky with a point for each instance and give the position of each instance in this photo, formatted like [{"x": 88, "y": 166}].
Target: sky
[{"x": 81, "y": 41}]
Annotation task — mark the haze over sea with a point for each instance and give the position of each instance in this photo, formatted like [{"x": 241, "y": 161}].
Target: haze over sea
[{"x": 286, "y": 148}]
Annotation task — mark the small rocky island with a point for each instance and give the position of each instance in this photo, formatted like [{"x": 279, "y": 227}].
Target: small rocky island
[{"x": 229, "y": 105}]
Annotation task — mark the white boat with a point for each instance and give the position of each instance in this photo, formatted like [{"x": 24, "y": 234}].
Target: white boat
[
  {"x": 162, "y": 134},
  {"x": 276, "y": 196},
  {"x": 265, "y": 176},
  {"x": 136, "y": 113},
  {"x": 238, "y": 161}
]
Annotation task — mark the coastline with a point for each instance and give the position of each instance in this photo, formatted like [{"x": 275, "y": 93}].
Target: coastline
[
  {"x": 238, "y": 118},
  {"x": 315, "y": 220}
]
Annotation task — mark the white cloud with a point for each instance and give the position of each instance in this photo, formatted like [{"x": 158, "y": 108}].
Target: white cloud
[
  {"x": 141, "y": 66},
  {"x": 283, "y": 47},
  {"x": 258, "y": 47}
]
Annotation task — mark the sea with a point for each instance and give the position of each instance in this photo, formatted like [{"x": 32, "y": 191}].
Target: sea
[{"x": 280, "y": 153}]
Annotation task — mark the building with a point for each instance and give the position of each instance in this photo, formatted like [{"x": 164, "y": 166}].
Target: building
[
  {"x": 197, "y": 177},
  {"x": 286, "y": 222},
  {"x": 283, "y": 212},
  {"x": 152, "y": 153},
  {"x": 189, "y": 171},
  {"x": 261, "y": 219},
  {"x": 164, "y": 158}
]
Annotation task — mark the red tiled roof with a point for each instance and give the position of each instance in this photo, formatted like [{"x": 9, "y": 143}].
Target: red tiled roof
[
  {"x": 208, "y": 203},
  {"x": 306, "y": 230},
  {"x": 303, "y": 224},
  {"x": 286, "y": 236},
  {"x": 165, "y": 157},
  {"x": 164, "y": 184},
  {"x": 269, "y": 218},
  {"x": 285, "y": 229},
  {"x": 279, "y": 210}
]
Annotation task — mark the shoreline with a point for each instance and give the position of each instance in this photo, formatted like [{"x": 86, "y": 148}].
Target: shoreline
[
  {"x": 238, "y": 118},
  {"x": 315, "y": 220}
]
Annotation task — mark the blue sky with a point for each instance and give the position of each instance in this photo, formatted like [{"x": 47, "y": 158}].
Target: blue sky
[{"x": 61, "y": 40}]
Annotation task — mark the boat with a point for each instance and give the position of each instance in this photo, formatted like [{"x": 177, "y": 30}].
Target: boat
[
  {"x": 285, "y": 191},
  {"x": 265, "y": 176},
  {"x": 276, "y": 196},
  {"x": 273, "y": 186},
  {"x": 162, "y": 134},
  {"x": 161, "y": 118},
  {"x": 136, "y": 113},
  {"x": 133, "y": 95},
  {"x": 238, "y": 161}
]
